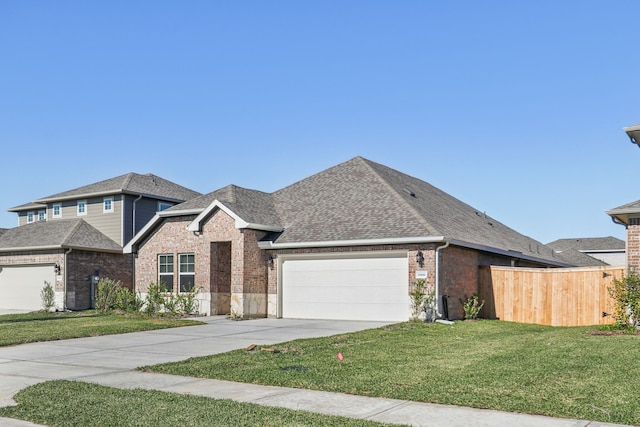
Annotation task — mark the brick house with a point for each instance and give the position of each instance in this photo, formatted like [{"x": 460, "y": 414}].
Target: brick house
[
  {"x": 73, "y": 238},
  {"x": 346, "y": 243},
  {"x": 628, "y": 215}
]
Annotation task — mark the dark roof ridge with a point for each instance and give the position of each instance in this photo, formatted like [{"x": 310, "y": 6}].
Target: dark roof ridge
[{"x": 396, "y": 194}]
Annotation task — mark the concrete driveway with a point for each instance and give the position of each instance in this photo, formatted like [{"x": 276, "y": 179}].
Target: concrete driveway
[{"x": 83, "y": 358}]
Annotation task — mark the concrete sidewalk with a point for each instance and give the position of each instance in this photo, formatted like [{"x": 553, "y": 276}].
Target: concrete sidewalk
[{"x": 109, "y": 360}]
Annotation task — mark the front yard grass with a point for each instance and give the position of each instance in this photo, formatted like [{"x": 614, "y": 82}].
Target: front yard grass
[
  {"x": 71, "y": 404},
  {"x": 562, "y": 372},
  {"x": 43, "y": 326}
]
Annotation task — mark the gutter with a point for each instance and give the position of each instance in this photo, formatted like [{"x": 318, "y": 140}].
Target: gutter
[{"x": 361, "y": 242}]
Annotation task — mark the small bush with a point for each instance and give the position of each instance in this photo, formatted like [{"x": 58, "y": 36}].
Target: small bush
[
  {"x": 106, "y": 292},
  {"x": 154, "y": 302},
  {"x": 626, "y": 294},
  {"x": 128, "y": 301},
  {"x": 187, "y": 302},
  {"x": 417, "y": 295},
  {"x": 47, "y": 297},
  {"x": 472, "y": 307}
]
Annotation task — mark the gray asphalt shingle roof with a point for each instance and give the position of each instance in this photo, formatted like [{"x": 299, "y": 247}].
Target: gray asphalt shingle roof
[
  {"x": 363, "y": 200},
  {"x": 130, "y": 183},
  {"x": 588, "y": 244},
  {"x": 253, "y": 206},
  {"x": 65, "y": 233}
]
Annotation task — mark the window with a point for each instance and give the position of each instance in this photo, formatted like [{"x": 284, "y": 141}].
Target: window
[
  {"x": 163, "y": 205},
  {"x": 187, "y": 272},
  {"x": 30, "y": 216},
  {"x": 82, "y": 207},
  {"x": 165, "y": 271},
  {"x": 57, "y": 210},
  {"x": 107, "y": 204},
  {"x": 42, "y": 215}
]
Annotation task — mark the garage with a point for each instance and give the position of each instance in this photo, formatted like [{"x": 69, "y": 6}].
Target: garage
[
  {"x": 347, "y": 287},
  {"x": 20, "y": 286}
]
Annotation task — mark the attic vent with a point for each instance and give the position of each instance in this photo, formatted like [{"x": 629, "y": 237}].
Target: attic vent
[
  {"x": 634, "y": 221},
  {"x": 409, "y": 192}
]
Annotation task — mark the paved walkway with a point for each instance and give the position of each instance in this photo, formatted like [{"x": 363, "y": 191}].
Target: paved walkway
[{"x": 109, "y": 360}]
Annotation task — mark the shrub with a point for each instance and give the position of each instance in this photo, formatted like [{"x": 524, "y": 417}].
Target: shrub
[
  {"x": 187, "y": 302},
  {"x": 47, "y": 296},
  {"x": 106, "y": 291},
  {"x": 472, "y": 307},
  {"x": 154, "y": 302},
  {"x": 626, "y": 294},
  {"x": 417, "y": 295},
  {"x": 128, "y": 301}
]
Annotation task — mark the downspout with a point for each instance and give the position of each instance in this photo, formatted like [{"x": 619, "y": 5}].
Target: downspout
[
  {"x": 133, "y": 226},
  {"x": 66, "y": 277},
  {"x": 437, "y": 290}
]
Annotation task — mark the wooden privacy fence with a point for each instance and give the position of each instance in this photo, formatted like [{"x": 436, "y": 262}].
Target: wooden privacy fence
[{"x": 553, "y": 296}]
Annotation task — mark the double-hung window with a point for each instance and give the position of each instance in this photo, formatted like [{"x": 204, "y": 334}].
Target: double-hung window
[
  {"x": 187, "y": 272},
  {"x": 57, "y": 210},
  {"x": 31, "y": 216},
  {"x": 165, "y": 272},
  {"x": 82, "y": 207},
  {"x": 107, "y": 204},
  {"x": 42, "y": 215}
]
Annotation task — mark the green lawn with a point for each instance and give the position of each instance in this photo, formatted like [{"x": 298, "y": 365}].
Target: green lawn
[
  {"x": 42, "y": 326},
  {"x": 564, "y": 372},
  {"x": 68, "y": 404}
]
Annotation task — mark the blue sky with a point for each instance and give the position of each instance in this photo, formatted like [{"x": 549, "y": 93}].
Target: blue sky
[{"x": 516, "y": 108}]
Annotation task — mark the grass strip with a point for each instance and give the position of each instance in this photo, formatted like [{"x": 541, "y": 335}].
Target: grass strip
[
  {"x": 71, "y": 404},
  {"x": 562, "y": 372},
  {"x": 42, "y": 326}
]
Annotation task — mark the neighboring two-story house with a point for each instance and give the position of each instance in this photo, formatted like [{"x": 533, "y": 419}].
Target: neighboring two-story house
[{"x": 70, "y": 239}]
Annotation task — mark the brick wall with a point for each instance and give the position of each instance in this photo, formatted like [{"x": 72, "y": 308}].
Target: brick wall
[
  {"x": 228, "y": 261},
  {"x": 81, "y": 265},
  {"x": 633, "y": 244}
]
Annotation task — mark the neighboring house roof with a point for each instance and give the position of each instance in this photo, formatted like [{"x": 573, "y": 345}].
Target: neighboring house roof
[
  {"x": 132, "y": 183},
  {"x": 65, "y": 233},
  {"x": 579, "y": 259},
  {"x": 577, "y": 250},
  {"x": 589, "y": 244},
  {"x": 3, "y": 230},
  {"x": 362, "y": 202}
]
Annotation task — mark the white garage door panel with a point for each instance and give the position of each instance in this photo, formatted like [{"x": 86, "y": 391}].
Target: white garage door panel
[
  {"x": 346, "y": 288},
  {"x": 20, "y": 286}
]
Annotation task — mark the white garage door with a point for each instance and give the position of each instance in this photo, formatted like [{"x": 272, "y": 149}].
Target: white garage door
[
  {"x": 20, "y": 286},
  {"x": 363, "y": 288}
]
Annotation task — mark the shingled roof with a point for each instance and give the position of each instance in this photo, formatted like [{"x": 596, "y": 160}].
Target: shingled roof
[
  {"x": 621, "y": 213},
  {"x": 65, "y": 233},
  {"x": 588, "y": 244},
  {"x": 363, "y": 201},
  {"x": 131, "y": 183}
]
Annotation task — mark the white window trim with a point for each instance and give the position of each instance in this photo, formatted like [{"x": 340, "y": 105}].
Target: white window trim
[
  {"x": 31, "y": 217},
  {"x": 81, "y": 202},
  {"x": 44, "y": 216},
  {"x": 172, "y": 273},
  {"x": 104, "y": 201},
  {"x": 181, "y": 274},
  {"x": 53, "y": 210}
]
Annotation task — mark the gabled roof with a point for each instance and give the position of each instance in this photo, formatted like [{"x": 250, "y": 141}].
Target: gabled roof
[
  {"x": 132, "y": 183},
  {"x": 253, "y": 206},
  {"x": 65, "y": 233},
  {"x": 589, "y": 244}
]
